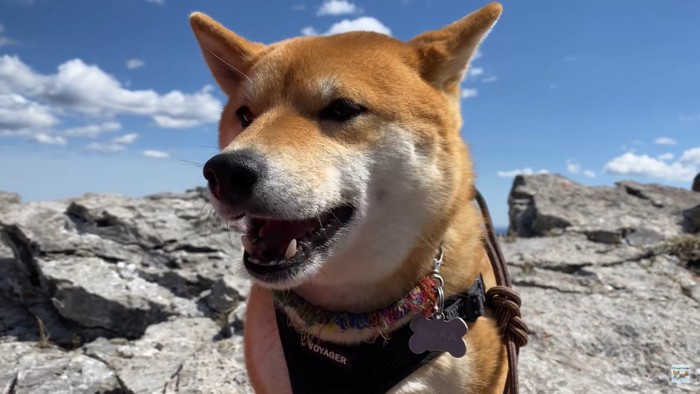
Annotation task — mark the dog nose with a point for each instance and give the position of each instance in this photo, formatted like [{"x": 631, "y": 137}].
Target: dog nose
[{"x": 232, "y": 176}]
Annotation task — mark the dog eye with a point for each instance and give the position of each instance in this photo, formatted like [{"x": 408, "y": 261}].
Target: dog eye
[
  {"x": 341, "y": 110},
  {"x": 245, "y": 116}
]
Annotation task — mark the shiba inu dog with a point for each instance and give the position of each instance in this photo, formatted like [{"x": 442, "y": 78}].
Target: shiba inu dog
[{"x": 342, "y": 162}]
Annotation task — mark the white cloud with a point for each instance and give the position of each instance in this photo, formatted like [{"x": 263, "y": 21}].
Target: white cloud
[
  {"x": 47, "y": 139},
  {"x": 689, "y": 118},
  {"x": 125, "y": 139},
  {"x": 364, "y": 23},
  {"x": 159, "y": 2},
  {"x": 468, "y": 93},
  {"x": 133, "y": 64},
  {"x": 684, "y": 169},
  {"x": 4, "y": 40},
  {"x": 489, "y": 79},
  {"x": 691, "y": 158},
  {"x": 309, "y": 31},
  {"x": 107, "y": 147},
  {"x": 82, "y": 88},
  {"x": 665, "y": 141},
  {"x": 337, "y": 7},
  {"x": 298, "y": 7},
  {"x": 475, "y": 71},
  {"x": 19, "y": 116},
  {"x": 93, "y": 130},
  {"x": 523, "y": 171},
  {"x": 114, "y": 145},
  {"x": 573, "y": 167},
  {"x": 477, "y": 55},
  {"x": 167, "y": 122},
  {"x": 666, "y": 156},
  {"x": 155, "y": 154}
]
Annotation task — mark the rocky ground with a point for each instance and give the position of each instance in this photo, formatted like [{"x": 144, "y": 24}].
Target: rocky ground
[{"x": 109, "y": 294}]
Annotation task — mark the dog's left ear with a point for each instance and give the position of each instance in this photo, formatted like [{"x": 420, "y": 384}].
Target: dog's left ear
[{"x": 445, "y": 53}]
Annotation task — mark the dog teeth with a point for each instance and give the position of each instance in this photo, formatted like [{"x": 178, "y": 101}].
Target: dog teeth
[
  {"x": 291, "y": 249},
  {"x": 254, "y": 260}
]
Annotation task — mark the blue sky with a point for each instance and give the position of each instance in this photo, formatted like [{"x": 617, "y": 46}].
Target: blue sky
[{"x": 113, "y": 95}]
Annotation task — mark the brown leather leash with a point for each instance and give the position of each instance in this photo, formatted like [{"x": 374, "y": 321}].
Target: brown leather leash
[{"x": 504, "y": 301}]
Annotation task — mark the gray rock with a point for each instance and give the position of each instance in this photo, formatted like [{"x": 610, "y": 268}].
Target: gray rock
[
  {"x": 147, "y": 365},
  {"x": 94, "y": 294},
  {"x": 25, "y": 368},
  {"x": 614, "y": 317},
  {"x": 692, "y": 219},
  {"x": 143, "y": 295},
  {"x": 542, "y": 204},
  {"x": 218, "y": 368},
  {"x": 227, "y": 293},
  {"x": 567, "y": 253},
  {"x": 236, "y": 319}
]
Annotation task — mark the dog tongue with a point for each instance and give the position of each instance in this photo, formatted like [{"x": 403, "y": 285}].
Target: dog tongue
[{"x": 274, "y": 237}]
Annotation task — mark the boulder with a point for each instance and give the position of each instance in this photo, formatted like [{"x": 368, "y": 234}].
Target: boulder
[
  {"x": 549, "y": 204},
  {"x": 692, "y": 219}
]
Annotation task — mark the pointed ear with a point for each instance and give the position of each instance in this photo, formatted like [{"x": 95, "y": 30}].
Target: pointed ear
[
  {"x": 228, "y": 55},
  {"x": 445, "y": 53}
]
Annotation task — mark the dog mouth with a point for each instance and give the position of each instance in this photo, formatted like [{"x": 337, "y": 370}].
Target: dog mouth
[{"x": 276, "y": 250}]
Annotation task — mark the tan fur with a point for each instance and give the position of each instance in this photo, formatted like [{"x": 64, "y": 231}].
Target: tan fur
[{"x": 411, "y": 91}]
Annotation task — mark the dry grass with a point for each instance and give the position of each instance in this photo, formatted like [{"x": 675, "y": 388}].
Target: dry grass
[
  {"x": 685, "y": 247},
  {"x": 44, "y": 336}
]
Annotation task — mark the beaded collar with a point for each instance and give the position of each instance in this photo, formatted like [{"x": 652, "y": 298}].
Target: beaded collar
[{"x": 421, "y": 300}]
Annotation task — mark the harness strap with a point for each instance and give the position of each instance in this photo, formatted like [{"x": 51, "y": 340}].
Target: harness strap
[
  {"x": 317, "y": 366},
  {"x": 504, "y": 301},
  {"x": 374, "y": 368}
]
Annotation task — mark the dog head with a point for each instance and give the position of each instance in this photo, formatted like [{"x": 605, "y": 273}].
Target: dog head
[{"x": 341, "y": 155}]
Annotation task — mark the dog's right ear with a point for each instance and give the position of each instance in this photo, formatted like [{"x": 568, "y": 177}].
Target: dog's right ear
[
  {"x": 445, "y": 53},
  {"x": 228, "y": 55}
]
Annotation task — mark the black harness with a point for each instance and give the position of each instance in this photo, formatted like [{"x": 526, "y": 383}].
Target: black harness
[{"x": 317, "y": 366}]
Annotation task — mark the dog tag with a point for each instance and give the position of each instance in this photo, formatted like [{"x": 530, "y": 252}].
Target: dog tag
[{"x": 438, "y": 335}]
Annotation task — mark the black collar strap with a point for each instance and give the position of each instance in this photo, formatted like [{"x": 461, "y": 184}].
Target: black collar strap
[{"x": 317, "y": 366}]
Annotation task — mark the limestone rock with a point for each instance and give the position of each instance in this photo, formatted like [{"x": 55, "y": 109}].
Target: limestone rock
[
  {"x": 549, "y": 204},
  {"x": 227, "y": 293},
  {"x": 147, "y": 364},
  {"x": 692, "y": 219},
  {"x": 217, "y": 368},
  {"x": 25, "y": 368}
]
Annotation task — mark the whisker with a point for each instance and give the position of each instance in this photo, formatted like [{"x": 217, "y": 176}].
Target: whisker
[
  {"x": 191, "y": 163},
  {"x": 204, "y": 205},
  {"x": 321, "y": 223},
  {"x": 229, "y": 65},
  {"x": 336, "y": 218}
]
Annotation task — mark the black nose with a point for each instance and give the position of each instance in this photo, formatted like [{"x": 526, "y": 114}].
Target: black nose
[{"x": 232, "y": 176}]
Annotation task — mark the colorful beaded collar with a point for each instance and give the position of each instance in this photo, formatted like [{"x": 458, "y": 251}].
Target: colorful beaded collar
[{"x": 421, "y": 300}]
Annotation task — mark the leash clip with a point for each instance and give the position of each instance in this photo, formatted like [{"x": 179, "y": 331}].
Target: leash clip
[{"x": 435, "y": 273}]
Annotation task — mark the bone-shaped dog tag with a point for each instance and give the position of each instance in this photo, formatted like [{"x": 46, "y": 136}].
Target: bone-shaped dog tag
[{"x": 438, "y": 335}]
